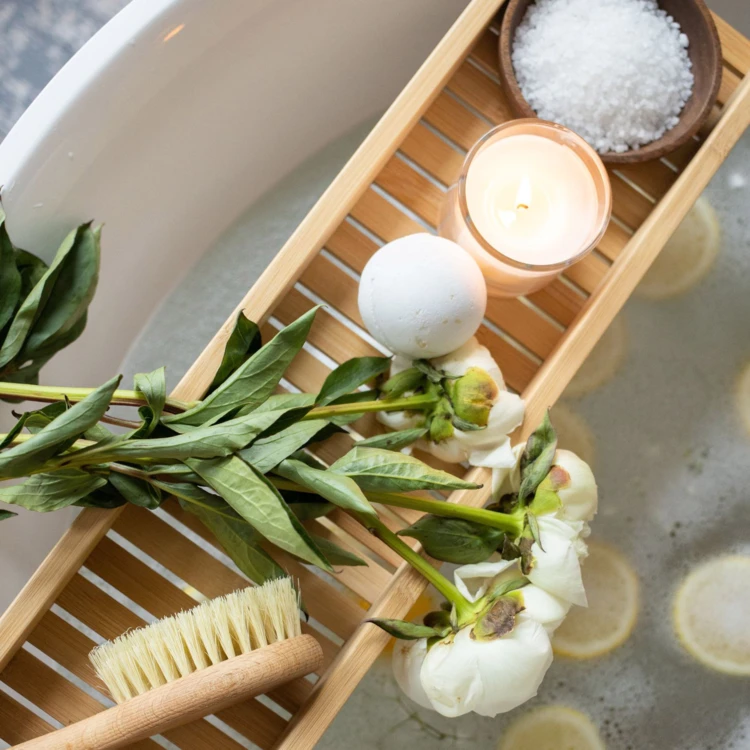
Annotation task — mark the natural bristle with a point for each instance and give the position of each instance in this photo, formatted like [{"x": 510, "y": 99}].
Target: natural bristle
[{"x": 215, "y": 630}]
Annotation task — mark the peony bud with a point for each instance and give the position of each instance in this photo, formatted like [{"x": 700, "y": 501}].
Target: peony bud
[{"x": 473, "y": 395}]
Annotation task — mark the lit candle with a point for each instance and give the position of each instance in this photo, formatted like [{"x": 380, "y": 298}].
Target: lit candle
[{"x": 532, "y": 198}]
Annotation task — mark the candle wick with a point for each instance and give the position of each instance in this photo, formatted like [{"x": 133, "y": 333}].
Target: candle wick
[{"x": 522, "y": 205}]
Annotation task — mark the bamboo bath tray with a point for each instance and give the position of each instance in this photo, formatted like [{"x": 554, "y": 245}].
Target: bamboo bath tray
[{"x": 392, "y": 186}]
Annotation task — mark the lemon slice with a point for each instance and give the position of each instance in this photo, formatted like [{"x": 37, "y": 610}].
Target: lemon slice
[
  {"x": 552, "y": 728},
  {"x": 573, "y": 433},
  {"x": 687, "y": 257},
  {"x": 712, "y": 611},
  {"x": 743, "y": 396},
  {"x": 603, "y": 361},
  {"x": 612, "y": 590}
]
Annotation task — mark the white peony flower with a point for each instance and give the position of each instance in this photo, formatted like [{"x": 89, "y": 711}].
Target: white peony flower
[
  {"x": 573, "y": 480},
  {"x": 462, "y": 674},
  {"x": 489, "y": 447},
  {"x": 570, "y": 477},
  {"x": 473, "y": 581},
  {"x": 557, "y": 569},
  {"x": 408, "y": 657}
]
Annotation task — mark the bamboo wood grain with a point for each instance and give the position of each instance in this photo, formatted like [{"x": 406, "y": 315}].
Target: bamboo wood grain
[
  {"x": 199, "y": 694},
  {"x": 60, "y": 565},
  {"x": 734, "y": 46},
  {"x": 18, "y": 722}
]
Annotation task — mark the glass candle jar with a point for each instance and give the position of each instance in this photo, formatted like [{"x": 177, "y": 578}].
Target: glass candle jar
[{"x": 532, "y": 198}]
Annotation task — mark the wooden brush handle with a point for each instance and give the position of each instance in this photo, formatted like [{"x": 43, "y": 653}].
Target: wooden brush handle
[{"x": 199, "y": 694}]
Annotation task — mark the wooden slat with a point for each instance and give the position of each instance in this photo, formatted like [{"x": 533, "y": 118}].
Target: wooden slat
[
  {"x": 67, "y": 645},
  {"x": 559, "y": 301},
  {"x": 456, "y": 122},
  {"x": 485, "y": 52},
  {"x": 729, "y": 82},
  {"x": 18, "y": 723},
  {"x": 524, "y": 324},
  {"x": 481, "y": 93},
  {"x": 327, "y": 334},
  {"x": 412, "y": 189},
  {"x": 36, "y": 597},
  {"x": 51, "y": 692},
  {"x": 433, "y": 154},
  {"x": 655, "y": 176},
  {"x": 734, "y": 46},
  {"x": 338, "y": 289},
  {"x": 614, "y": 240}
]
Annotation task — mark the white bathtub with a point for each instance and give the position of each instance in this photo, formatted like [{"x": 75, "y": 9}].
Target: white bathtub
[{"x": 168, "y": 123}]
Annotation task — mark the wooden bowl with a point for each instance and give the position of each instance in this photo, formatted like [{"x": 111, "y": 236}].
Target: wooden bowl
[{"x": 705, "y": 53}]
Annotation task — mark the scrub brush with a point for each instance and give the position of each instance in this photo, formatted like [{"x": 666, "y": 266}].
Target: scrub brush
[{"x": 193, "y": 664}]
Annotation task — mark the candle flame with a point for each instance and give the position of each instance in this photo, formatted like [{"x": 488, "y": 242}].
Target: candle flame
[{"x": 523, "y": 196}]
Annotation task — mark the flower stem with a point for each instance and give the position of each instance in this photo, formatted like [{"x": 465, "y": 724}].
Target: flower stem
[
  {"x": 411, "y": 403},
  {"x": 503, "y": 521},
  {"x": 509, "y": 522},
  {"x": 52, "y": 394},
  {"x": 464, "y": 608}
]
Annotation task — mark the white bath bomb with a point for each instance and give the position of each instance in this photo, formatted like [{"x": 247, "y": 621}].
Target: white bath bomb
[{"x": 422, "y": 296}]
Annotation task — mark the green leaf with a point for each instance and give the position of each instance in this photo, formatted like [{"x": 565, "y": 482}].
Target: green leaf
[
  {"x": 178, "y": 471},
  {"x": 406, "y": 631},
  {"x": 394, "y": 441},
  {"x": 106, "y": 497},
  {"x": 403, "y": 382},
  {"x": 537, "y": 458},
  {"x": 432, "y": 374},
  {"x": 337, "y": 489},
  {"x": 533, "y": 525},
  {"x": 455, "y": 540},
  {"x": 306, "y": 509},
  {"x": 260, "y": 504},
  {"x": 239, "y": 540},
  {"x": 136, "y": 491},
  {"x": 69, "y": 296},
  {"x": 29, "y": 456},
  {"x": 153, "y": 387},
  {"x": 335, "y": 554},
  {"x": 32, "y": 306},
  {"x": 255, "y": 380},
  {"x": 51, "y": 491},
  {"x": 209, "y": 441},
  {"x": 37, "y": 420},
  {"x": 10, "y": 276},
  {"x": 4, "y": 514},
  {"x": 267, "y": 451},
  {"x": 244, "y": 341},
  {"x": 15, "y": 430},
  {"x": 46, "y": 351},
  {"x": 349, "y": 376},
  {"x": 379, "y": 470},
  {"x": 31, "y": 269}
]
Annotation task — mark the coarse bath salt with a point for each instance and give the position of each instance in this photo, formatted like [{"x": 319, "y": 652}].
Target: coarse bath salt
[{"x": 616, "y": 72}]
